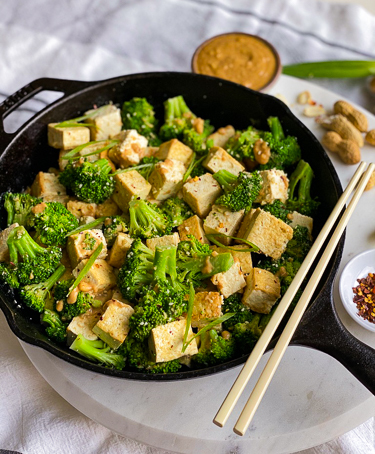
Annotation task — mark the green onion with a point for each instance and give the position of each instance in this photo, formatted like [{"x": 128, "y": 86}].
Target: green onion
[
  {"x": 215, "y": 322},
  {"x": 75, "y": 122},
  {"x": 332, "y": 69},
  {"x": 141, "y": 166},
  {"x": 87, "y": 226},
  {"x": 72, "y": 153},
  {"x": 211, "y": 237},
  {"x": 192, "y": 165},
  {"x": 86, "y": 268},
  {"x": 189, "y": 315}
]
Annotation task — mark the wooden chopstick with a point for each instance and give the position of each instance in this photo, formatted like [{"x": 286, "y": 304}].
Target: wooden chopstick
[
  {"x": 255, "y": 356},
  {"x": 279, "y": 350}
]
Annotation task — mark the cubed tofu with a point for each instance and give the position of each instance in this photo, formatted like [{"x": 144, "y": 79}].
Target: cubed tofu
[
  {"x": 107, "y": 208},
  {"x": 113, "y": 326},
  {"x": 130, "y": 149},
  {"x": 230, "y": 281},
  {"x": 79, "y": 209},
  {"x": 200, "y": 193},
  {"x": 192, "y": 226},
  {"x": 218, "y": 159},
  {"x": 243, "y": 257},
  {"x": 166, "y": 240},
  {"x": 174, "y": 149},
  {"x": 117, "y": 295},
  {"x": 4, "y": 235},
  {"x": 63, "y": 162},
  {"x": 107, "y": 122},
  {"x": 274, "y": 187},
  {"x": 82, "y": 245},
  {"x": 166, "y": 341},
  {"x": 83, "y": 324},
  {"x": 63, "y": 199},
  {"x": 46, "y": 184},
  {"x": 166, "y": 178},
  {"x": 207, "y": 305},
  {"x": 301, "y": 220},
  {"x": 222, "y": 220},
  {"x": 99, "y": 279},
  {"x": 262, "y": 291},
  {"x": 67, "y": 138},
  {"x": 119, "y": 250},
  {"x": 269, "y": 233},
  {"x": 245, "y": 223},
  {"x": 222, "y": 135},
  {"x": 129, "y": 184},
  {"x": 87, "y": 219}
]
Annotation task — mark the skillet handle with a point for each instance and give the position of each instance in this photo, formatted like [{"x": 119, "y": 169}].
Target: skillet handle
[
  {"x": 322, "y": 330},
  {"x": 15, "y": 100}
]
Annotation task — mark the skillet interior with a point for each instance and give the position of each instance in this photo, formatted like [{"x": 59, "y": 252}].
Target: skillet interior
[{"x": 221, "y": 101}]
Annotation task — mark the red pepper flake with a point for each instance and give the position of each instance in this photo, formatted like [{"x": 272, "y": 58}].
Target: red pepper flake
[{"x": 364, "y": 299}]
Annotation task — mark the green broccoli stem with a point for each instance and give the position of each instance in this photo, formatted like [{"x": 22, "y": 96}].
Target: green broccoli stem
[
  {"x": 175, "y": 108},
  {"x": 303, "y": 175},
  {"x": 9, "y": 206},
  {"x": 143, "y": 217},
  {"x": 212, "y": 265},
  {"x": 276, "y": 128},
  {"x": 226, "y": 179},
  {"x": 165, "y": 265},
  {"x": 103, "y": 166},
  {"x": 51, "y": 281},
  {"x": 20, "y": 243}
]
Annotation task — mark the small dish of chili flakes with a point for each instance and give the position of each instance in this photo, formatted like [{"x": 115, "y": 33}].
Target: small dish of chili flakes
[{"x": 357, "y": 289}]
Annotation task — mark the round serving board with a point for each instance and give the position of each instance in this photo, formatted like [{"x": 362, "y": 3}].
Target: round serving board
[{"x": 311, "y": 399}]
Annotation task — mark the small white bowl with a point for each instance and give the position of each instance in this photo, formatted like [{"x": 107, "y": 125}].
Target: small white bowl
[{"x": 358, "y": 267}]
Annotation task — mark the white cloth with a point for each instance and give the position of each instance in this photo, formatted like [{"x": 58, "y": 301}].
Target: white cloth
[{"x": 91, "y": 40}]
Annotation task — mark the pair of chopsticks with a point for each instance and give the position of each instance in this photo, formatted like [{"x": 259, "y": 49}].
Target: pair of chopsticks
[{"x": 268, "y": 372}]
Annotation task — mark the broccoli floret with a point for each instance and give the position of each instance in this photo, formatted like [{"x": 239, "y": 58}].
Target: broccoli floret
[
  {"x": 112, "y": 226},
  {"x": 247, "y": 333},
  {"x": 233, "y": 304},
  {"x": 8, "y": 275},
  {"x": 177, "y": 210},
  {"x": 69, "y": 311},
  {"x": 239, "y": 191},
  {"x": 89, "y": 181},
  {"x": 195, "y": 262},
  {"x": 98, "y": 351},
  {"x": 37, "y": 263},
  {"x": 137, "y": 271},
  {"x": 299, "y": 246},
  {"x": 197, "y": 140},
  {"x": 56, "y": 329},
  {"x": 147, "y": 220},
  {"x": 18, "y": 207},
  {"x": 241, "y": 145},
  {"x": 137, "y": 356},
  {"x": 34, "y": 295},
  {"x": 177, "y": 117},
  {"x": 299, "y": 190},
  {"x": 214, "y": 349},
  {"x": 139, "y": 114},
  {"x": 53, "y": 223},
  {"x": 278, "y": 209},
  {"x": 148, "y": 163},
  {"x": 163, "y": 301}
]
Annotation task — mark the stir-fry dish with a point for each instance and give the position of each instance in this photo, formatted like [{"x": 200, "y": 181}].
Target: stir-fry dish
[{"x": 158, "y": 247}]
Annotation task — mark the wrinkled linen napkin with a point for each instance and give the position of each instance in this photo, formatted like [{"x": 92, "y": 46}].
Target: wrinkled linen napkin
[{"x": 92, "y": 40}]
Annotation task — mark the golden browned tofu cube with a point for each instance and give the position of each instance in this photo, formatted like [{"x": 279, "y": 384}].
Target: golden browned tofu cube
[
  {"x": 174, "y": 149},
  {"x": 243, "y": 257},
  {"x": 107, "y": 122},
  {"x": 207, "y": 305},
  {"x": 230, "y": 281},
  {"x": 166, "y": 178},
  {"x": 99, "y": 279},
  {"x": 46, "y": 184},
  {"x": 83, "y": 324},
  {"x": 80, "y": 209},
  {"x": 192, "y": 226},
  {"x": 298, "y": 219},
  {"x": 274, "y": 186},
  {"x": 269, "y": 233},
  {"x": 222, "y": 220},
  {"x": 117, "y": 295},
  {"x": 166, "y": 240},
  {"x": 165, "y": 341},
  {"x": 129, "y": 184},
  {"x": 107, "y": 208},
  {"x": 222, "y": 135},
  {"x": 67, "y": 138},
  {"x": 130, "y": 149},
  {"x": 119, "y": 250},
  {"x": 218, "y": 159},
  {"x": 200, "y": 193},
  {"x": 82, "y": 245},
  {"x": 63, "y": 199},
  {"x": 262, "y": 291},
  {"x": 113, "y": 326}
]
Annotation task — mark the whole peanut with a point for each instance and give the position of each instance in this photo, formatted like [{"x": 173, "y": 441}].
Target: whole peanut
[
  {"x": 343, "y": 127},
  {"x": 348, "y": 150},
  {"x": 370, "y": 137},
  {"x": 356, "y": 117}
]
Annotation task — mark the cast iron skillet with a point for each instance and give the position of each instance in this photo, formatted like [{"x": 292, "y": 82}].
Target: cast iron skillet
[{"x": 25, "y": 152}]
